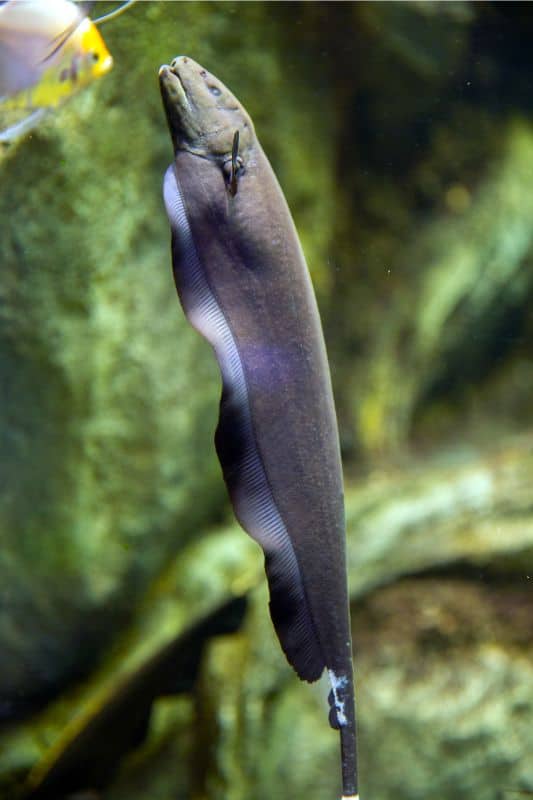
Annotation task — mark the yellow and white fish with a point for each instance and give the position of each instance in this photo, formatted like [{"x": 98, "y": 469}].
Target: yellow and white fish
[{"x": 49, "y": 50}]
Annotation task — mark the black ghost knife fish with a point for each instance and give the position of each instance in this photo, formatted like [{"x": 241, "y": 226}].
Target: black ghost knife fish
[{"x": 244, "y": 285}]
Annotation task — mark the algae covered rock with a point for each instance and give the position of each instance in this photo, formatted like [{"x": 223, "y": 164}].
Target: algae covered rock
[
  {"x": 432, "y": 240},
  {"x": 445, "y": 689},
  {"x": 465, "y": 310},
  {"x": 250, "y": 727},
  {"x": 78, "y": 742}
]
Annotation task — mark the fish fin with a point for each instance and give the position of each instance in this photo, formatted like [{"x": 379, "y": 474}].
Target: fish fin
[
  {"x": 256, "y": 510},
  {"x": 233, "y": 166},
  {"x": 115, "y": 13},
  {"x": 23, "y": 126},
  {"x": 238, "y": 452},
  {"x": 60, "y": 40}
]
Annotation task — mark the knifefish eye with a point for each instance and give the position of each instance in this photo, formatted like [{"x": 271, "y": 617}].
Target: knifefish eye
[{"x": 215, "y": 90}]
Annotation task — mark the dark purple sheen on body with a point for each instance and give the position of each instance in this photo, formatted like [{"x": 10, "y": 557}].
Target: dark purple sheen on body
[
  {"x": 255, "y": 269},
  {"x": 237, "y": 449}
]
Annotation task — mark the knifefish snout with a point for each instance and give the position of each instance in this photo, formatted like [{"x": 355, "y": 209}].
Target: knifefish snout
[{"x": 171, "y": 84}]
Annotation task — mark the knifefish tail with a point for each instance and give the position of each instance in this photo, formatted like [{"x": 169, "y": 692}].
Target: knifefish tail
[{"x": 238, "y": 450}]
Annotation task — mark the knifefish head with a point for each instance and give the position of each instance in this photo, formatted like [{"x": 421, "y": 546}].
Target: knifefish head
[{"x": 202, "y": 114}]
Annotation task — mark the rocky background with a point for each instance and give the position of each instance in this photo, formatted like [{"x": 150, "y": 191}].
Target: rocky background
[{"x": 137, "y": 659}]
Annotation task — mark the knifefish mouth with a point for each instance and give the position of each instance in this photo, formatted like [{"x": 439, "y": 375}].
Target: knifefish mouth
[{"x": 172, "y": 85}]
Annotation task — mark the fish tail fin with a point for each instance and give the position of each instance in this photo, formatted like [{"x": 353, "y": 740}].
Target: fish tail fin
[
  {"x": 342, "y": 718},
  {"x": 23, "y": 126}
]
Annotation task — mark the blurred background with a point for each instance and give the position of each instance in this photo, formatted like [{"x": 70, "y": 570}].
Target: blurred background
[{"x": 137, "y": 658}]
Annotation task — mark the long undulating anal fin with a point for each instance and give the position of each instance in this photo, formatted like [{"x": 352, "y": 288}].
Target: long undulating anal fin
[
  {"x": 237, "y": 449},
  {"x": 256, "y": 511}
]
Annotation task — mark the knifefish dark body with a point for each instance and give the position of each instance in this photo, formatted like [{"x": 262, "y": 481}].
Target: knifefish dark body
[{"x": 244, "y": 284}]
